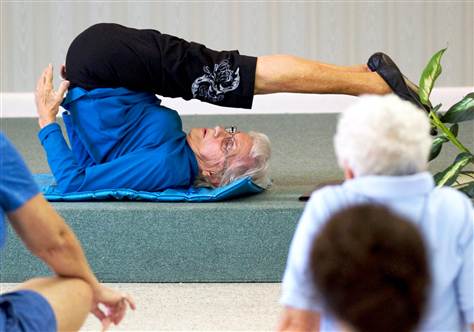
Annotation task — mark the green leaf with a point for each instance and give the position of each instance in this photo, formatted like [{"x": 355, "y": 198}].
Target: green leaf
[
  {"x": 468, "y": 190},
  {"x": 435, "y": 111},
  {"x": 454, "y": 129},
  {"x": 461, "y": 111},
  {"x": 450, "y": 174},
  {"x": 438, "y": 112},
  {"x": 435, "y": 121},
  {"x": 429, "y": 76},
  {"x": 440, "y": 140},
  {"x": 436, "y": 146}
]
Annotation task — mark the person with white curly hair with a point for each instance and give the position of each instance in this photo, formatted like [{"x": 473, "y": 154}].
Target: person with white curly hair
[
  {"x": 382, "y": 144},
  {"x": 382, "y": 136}
]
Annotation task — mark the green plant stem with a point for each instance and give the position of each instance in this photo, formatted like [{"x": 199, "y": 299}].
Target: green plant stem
[{"x": 437, "y": 122}]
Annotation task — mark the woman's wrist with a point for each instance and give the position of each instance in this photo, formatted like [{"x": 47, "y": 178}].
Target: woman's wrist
[{"x": 43, "y": 122}]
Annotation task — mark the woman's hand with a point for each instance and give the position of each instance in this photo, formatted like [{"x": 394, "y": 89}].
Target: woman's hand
[
  {"x": 47, "y": 99},
  {"x": 110, "y": 306}
]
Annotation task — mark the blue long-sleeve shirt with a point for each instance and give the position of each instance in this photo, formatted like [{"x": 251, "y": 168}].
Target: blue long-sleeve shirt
[{"x": 119, "y": 139}]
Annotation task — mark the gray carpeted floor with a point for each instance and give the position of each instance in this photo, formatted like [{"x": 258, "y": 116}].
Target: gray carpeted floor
[{"x": 240, "y": 240}]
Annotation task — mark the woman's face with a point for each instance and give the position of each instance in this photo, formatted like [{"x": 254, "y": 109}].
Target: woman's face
[{"x": 214, "y": 147}]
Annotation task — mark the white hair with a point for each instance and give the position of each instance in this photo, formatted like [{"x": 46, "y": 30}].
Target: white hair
[
  {"x": 383, "y": 135},
  {"x": 254, "y": 165}
]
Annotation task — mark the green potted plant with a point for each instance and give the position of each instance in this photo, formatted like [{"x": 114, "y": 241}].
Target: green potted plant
[{"x": 459, "y": 174}]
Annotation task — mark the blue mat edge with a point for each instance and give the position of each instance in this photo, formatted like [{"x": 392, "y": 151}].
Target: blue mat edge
[{"x": 238, "y": 188}]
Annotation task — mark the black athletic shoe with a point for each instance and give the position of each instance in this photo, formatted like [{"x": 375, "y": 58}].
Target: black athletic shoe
[{"x": 400, "y": 85}]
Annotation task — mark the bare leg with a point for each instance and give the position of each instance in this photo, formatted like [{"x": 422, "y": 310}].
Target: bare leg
[
  {"x": 71, "y": 299},
  {"x": 356, "y": 68},
  {"x": 286, "y": 73}
]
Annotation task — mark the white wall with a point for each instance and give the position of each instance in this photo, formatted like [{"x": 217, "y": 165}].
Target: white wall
[
  {"x": 34, "y": 33},
  {"x": 14, "y": 105}
]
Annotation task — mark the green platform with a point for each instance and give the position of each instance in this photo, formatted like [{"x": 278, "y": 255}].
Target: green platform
[{"x": 244, "y": 240}]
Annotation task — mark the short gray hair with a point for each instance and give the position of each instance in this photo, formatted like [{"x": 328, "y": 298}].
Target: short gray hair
[
  {"x": 383, "y": 135},
  {"x": 254, "y": 165}
]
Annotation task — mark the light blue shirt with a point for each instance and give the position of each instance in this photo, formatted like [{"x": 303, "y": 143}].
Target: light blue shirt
[{"x": 443, "y": 215}]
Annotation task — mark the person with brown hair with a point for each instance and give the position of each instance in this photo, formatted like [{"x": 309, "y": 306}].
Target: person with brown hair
[
  {"x": 382, "y": 145},
  {"x": 370, "y": 267}
]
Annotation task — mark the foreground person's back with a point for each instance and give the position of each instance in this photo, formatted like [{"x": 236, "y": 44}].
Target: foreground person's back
[
  {"x": 382, "y": 144},
  {"x": 444, "y": 217}
]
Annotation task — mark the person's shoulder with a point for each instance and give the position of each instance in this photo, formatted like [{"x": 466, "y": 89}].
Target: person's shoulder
[
  {"x": 5, "y": 142},
  {"x": 325, "y": 201},
  {"x": 450, "y": 198},
  {"x": 453, "y": 211},
  {"x": 8, "y": 152},
  {"x": 16, "y": 182},
  {"x": 327, "y": 194}
]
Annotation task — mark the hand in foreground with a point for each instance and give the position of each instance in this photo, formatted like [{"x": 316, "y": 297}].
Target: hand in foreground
[
  {"x": 110, "y": 306},
  {"x": 47, "y": 99}
]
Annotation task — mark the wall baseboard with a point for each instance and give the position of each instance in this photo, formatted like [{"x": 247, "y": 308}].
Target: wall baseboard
[{"x": 19, "y": 105}]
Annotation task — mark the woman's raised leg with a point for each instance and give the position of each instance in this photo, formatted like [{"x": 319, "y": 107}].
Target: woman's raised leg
[{"x": 286, "y": 73}]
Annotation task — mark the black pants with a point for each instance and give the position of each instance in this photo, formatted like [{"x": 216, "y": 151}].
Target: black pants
[{"x": 110, "y": 55}]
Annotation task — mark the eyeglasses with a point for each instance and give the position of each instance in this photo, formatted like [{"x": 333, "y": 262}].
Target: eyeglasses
[{"x": 228, "y": 143}]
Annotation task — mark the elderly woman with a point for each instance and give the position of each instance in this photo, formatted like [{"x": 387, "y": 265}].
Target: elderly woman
[
  {"x": 120, "y": 135},
  {"x": 382, "y": 144}
]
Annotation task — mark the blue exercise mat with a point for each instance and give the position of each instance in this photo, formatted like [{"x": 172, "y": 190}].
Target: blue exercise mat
[{"x": 238, "y": 188}]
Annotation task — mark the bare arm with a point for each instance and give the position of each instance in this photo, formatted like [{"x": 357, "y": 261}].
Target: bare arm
[
  {"x": 47, "y": 236},
  {"x": 293, "y": 319}
]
